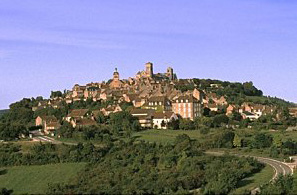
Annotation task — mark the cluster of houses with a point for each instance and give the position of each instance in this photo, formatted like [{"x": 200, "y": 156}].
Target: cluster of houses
[
  {"x": 250, "y": 111},
  {"x": 155, "y": 99}
]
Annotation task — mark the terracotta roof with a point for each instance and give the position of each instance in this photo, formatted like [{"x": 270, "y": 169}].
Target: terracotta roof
[
  {"x": 143, "y": 117},
  {"x": 78, "y": 113},
  {"x": 157, "y": 99},
  {"x": 49, "y": 118},
  {"x": 258, "y": 107},
  {"x": 85, "y": 122},
  {"x": 132, "y": 96},
  {"x": 186, "y": 97},
  {"x": 53, "y": 124},
  {"x": 162, "y": 115},
  {"x": 111, "y": 108},
  {"x": 142, "y": 111}
]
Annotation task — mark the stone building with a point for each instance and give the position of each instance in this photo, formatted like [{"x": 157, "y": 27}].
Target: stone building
[
  {"x": 116, "y": 82},
  {"x": 158, "y": 103},
  {"x": 187, "y": 107},
  {"x": 49, "y": 124}
]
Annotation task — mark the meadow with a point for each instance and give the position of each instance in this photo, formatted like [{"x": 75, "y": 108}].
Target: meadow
[
  {"x": 165, "y": 136},
  {"x": 35, "y": 179},
  {"x": 254, "y": 181}
]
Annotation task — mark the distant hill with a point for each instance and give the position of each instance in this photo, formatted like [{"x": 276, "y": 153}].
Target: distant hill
[{"x": 3, "y": 111}]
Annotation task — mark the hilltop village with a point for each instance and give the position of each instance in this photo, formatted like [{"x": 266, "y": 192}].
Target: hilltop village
[
  {"x": 152, "y": 125},
  {"x": 155, "y": 99}
]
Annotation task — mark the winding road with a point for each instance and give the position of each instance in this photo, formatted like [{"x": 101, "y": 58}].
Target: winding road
[{"x": 279, "y": 167}]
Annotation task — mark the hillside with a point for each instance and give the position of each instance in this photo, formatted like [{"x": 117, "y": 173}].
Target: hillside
[
  {"x": 35, "y": 179},
  {"x": 4, "y": 111}
]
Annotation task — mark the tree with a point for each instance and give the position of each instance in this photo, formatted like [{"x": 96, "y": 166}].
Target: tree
[
  {"x": 122, "y": 121},
  {"x": 262, "y": 140},
  {"x": 5, "y": 191},
  {"x": 236, "y": 116},
  {"x": 203, "y": 122},
  {"x": 101, "y": 118},
  {"x": 282, "y": 185},
  {"x": 277, "y": 141},
  {"x": 11, "y": 131},
  {"x": 66, "y": 130},
  {"x": 220, "y": 120},
  {"x": 237, "y": 141},
  {"x": 250, "y": 90},
  {"x": 55, "y": 94},
  {"x": 186, "y": 124},
  {"x": 206, "y": 111},
  {"x": 174, "y": 124}
]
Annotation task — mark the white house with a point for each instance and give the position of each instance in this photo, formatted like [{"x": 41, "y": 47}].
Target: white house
[{"x": 161, "y": 119}]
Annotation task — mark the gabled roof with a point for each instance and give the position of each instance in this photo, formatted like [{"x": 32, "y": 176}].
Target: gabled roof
[
  {"x": 132, "y": 96},
  {"x": 157, "y": 99},
  {"x": 78, "y": 113},
  {"x": 48, "y": 119},
  {"x": 142, "y": 111},
  {"x": 85, "y": 122},
  {"x": 53, "y": 124},
  {"x": 190, "y": 99},
  {"x": 259, "y": 107},
  {"x": 162, "y": 115}
]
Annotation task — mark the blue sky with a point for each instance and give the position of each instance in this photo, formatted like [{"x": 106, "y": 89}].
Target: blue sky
[{"x": 51, "y": 45}]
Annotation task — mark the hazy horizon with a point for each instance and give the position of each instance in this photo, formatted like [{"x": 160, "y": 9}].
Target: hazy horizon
[{"x": 52, "y": 45}]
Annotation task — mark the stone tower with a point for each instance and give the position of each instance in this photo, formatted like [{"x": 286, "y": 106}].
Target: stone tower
[
  {"x": 116, "y": 75},
  {"x": 149, "y": 69},
  {"x": 116, "y": 82},
  {"x": 170, "y": 73}
]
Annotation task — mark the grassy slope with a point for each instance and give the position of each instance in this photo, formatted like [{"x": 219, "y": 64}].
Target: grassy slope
[
  {"x": 255, "y": 180},
  {"x": 165, "y": 136},
  {"x": 35, "y": 179}
]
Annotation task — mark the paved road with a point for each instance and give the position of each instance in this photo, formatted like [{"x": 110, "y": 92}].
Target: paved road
[
  {"x": 51, "y": 140},
  {"x": 278, "y": 166},
  {"x": 54, "y": 141}
]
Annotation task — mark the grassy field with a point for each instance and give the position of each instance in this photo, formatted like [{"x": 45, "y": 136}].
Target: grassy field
[
  {"x": 35, "y": 179},
  {"x": 284, "y": 135},
  {"x": 254, "y": 181},
  {"x": 165, "y": 136}
]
